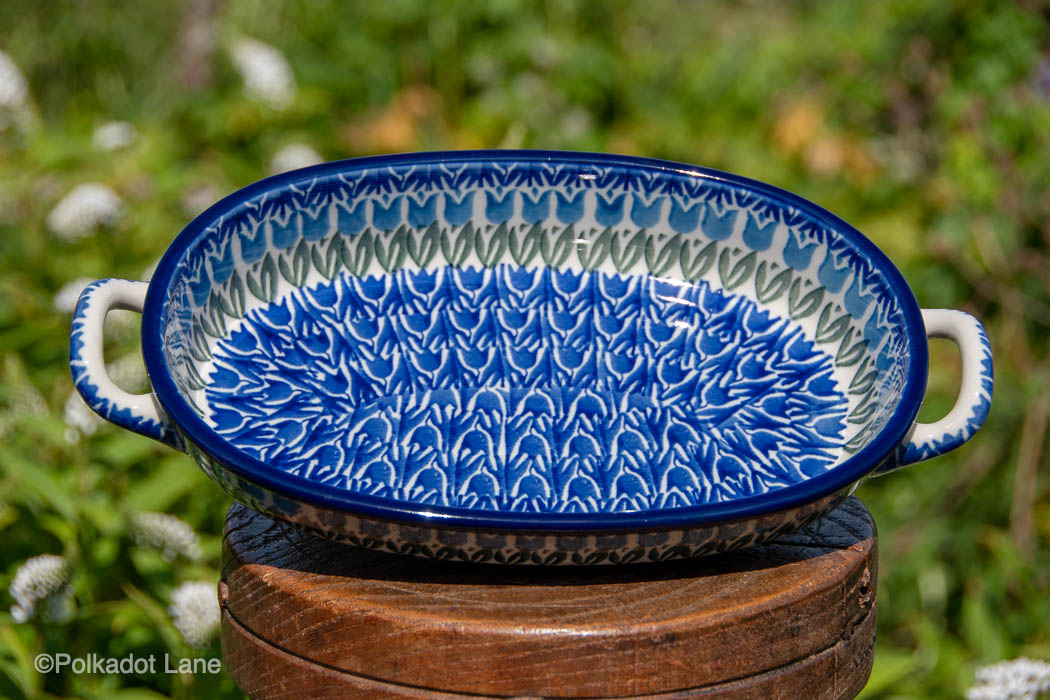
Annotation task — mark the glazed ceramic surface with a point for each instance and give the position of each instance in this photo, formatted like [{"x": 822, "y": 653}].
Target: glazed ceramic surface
[{"x": 532, "y": 357}]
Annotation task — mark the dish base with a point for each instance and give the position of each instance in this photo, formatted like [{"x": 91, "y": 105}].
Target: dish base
[{"x": 306, "y": 616}]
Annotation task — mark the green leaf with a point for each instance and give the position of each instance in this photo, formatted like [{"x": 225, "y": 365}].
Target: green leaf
[
  {"x": 662, "y": 251},
  {"x": 255, "y": 287},
  {"x": 807, "y": 305},
  {"x": 391, "y": 249},
  {"x": 207, "y": 323},
  {"x": 193, "y": 378},
  {"x": 523, "y": 248},
  {"x": 268, "y": 279},
  {"x": 891, "y": 666},
  {"x": 339, "y": 247},
  {"x": 174, "y": 477},
  {"x": 490, "y": 251},
  {"x": 556, "y": 253},
  {"x": 325, "y": 258},
  {"x": 215, "y": 321},
  {"x": 863, "y": 383},
  {"x": 847, "y": 357},
  {"x": 123, "y": 448},
  {"x": 199, "y": 343},
  {"x": 982, "y": 627},
  {"x": 828, "y": 330},
  {"x": 357, "y": 256},
  {"x": 456, "y": 246},
  {"x": 44, "y": 430},
  {"x": 39, "y": 481},
  {"x": 158, "y": 615},
  {"x": 295, "y": 272},
  {"x": 865, "y": 410},
  {"x": 423, "y": 248},
  {"x": 739, "y": 273},
  {"x": 592, "y": 253},
  {"x": 627, "y": 249},
  {"x": 20, "y": 670},
  {"x": 695, "y": 265},
  {"x": 234, "y": 300},
  {"x": 768, "y": 292},
  {"x": 19, "y": 678}
]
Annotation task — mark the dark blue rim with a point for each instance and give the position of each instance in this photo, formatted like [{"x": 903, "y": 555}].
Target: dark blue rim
[{"x": 845, "y": 474}]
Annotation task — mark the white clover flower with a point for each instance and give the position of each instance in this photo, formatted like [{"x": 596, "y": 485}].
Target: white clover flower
[
  {"x": 1019, "y": 679},
  {"x": 22, "y": 400},
  {"x": 171, "y": 536},
  {"x": 129, "y": 373},
  {"x": 112, "y": 136},
  {"x": 79, "y": 417},
  {"x": 41, "y": 586},
  {"x": 122, "y": 324},
  {"x": 575, "y": 123},
  {"x": 119, "y": 322},
  {"x": 14, "y": 95},
  {"x": 195, "y": 611},
  {"x": 14, "y": 90},
  {"x": 26, "y": 400},
  {"x": 265, "y": 71},
  {"x": 65, "y": 299},
  {"x": 194, "y": 201},
  {"x": 294, "y": 156},
  {"x": 86, "y": 207}
]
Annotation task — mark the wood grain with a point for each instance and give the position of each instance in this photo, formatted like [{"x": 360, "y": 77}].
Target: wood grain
[{"x": 305, "y": 616}]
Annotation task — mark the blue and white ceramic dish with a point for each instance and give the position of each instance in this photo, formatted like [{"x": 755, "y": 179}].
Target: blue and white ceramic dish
[{"x": 532, "y": 357}]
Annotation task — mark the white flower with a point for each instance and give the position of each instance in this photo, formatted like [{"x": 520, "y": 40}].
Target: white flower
[
  {"x": 14, "y": 95},
  {"x": 14, "y": 90},
  {"x": 195, "y": 611},
  {"x": 1020, "y": 679},
  {"x": 86, "y": 207},
  {"x": 79, "y": 417},
  {"x": 196, "y": 200},
  {"x": 119, "y": 322},
  {"x": 26, "y": 400},
  {"x": 65, "y": 299},
  {"x": 129, "y": 373},
  {"x": 41, "y": 586},
  {"x": 575, "y": 124},
  {"x": 23, "y": 399},
  {"x": 265, "y": 72},
  {"x": 293, "y": 157},
  {"x": 166, "y": 533},
  {"x": 114, "y": 135}
]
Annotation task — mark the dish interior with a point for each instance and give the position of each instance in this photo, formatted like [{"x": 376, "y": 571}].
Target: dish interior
[{"x": 534, "y": 336}]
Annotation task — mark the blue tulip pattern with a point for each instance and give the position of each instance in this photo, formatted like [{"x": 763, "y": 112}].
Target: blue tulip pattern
[{"x": 529, "y": 390}]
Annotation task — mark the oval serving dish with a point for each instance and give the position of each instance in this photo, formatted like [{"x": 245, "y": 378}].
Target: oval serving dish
[{"x": 531, "y": 357}]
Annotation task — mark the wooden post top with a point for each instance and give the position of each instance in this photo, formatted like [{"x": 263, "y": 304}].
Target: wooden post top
[{"x": 306, "y": 617}]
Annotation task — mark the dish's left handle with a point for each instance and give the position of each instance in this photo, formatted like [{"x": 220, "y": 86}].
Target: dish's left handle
[{"x": 140, "y": 413}]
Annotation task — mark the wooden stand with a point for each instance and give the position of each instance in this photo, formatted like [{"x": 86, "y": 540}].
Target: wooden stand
[{"x": 306, "y": 618}]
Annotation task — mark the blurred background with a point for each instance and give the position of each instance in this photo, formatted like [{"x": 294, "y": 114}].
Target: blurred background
[{"x": 925, "y": 124}]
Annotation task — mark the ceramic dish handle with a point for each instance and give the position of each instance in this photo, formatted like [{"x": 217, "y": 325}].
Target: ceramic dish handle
[
  {"x": 137, "y": 412},
  {"x": 975, "y": 395}
]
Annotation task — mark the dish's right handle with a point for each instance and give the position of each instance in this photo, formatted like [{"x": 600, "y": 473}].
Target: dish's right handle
[{"x": 929, "y": 440}]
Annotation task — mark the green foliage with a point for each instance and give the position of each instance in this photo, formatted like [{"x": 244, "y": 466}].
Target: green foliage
[{"x": 921, "y": 122}]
